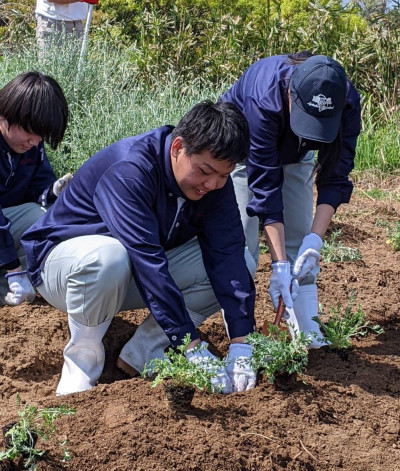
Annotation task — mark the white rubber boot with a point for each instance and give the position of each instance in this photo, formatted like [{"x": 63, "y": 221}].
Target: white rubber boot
[
  {"x": 305, "y": 307},
  {"x": 147, "y": 343},
  {"x": 83, "y": 358}
]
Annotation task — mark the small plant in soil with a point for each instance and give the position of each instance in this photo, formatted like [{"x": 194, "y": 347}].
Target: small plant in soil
[
  {"x": 20, "y": 437},
  {"x": 276, "y": 353},
  {"x": 345, "y": 324},
  {"x": 334, "y": 251},
  {"x": 393, "y": 239},
  {"x": 179, "y": 376}
]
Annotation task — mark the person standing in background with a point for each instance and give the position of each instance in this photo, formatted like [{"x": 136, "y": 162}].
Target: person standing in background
[
  {"x": 58, "y": 20},
  {"x": 304, "y": 117}
]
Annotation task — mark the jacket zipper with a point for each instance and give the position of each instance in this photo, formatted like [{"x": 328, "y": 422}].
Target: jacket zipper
[
  {"x": 11, "y": 166},
  {"x": 180, "y": 201}
]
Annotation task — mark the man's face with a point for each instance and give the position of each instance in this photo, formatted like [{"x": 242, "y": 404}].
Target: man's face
[
  {"x": 197, "y": 174},
  {"x": 19, "y": 140}
]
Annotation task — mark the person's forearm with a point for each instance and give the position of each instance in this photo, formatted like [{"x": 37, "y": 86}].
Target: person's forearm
[
  {"x": 15, "y": 270},
  {"x": 275, "y": 235},
  {"x": 322, "y": 218}
]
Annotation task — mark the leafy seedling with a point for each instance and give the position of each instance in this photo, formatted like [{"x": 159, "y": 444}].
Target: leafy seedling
[
  {"x": 393, "y": 239},
  {"x": 345, "y": 324},
  {"x": 334, "y": 251},
  {"x": 178, "y": 374},
  {"x": 20, "y": 437},
  {"x": 276, "y": 353}
]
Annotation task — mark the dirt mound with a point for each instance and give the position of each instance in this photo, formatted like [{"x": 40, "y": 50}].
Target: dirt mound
[{"x": 342, "y": 415}]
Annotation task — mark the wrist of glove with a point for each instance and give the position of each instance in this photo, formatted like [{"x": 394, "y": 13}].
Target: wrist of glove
[
  {"x": 202, "y": 357},
  {"x": 281, "y": 284},
  {"x": 238, "y": 368},
  {"x": 60, "y": 184},
  {"x": 308, "y": 256},
  {"x": 21, "y": 288}
]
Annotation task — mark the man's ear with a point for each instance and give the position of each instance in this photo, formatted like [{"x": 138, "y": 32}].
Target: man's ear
[{"x": 176, "y": 146}]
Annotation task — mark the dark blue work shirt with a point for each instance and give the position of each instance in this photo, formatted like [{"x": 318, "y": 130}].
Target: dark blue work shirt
[
  {"x": 262, "y": 95},
  {"x": 24, "y": 178},
  {"x": 128, "y": 191}
]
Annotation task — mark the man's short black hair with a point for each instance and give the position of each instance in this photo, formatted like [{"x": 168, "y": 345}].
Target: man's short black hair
[
  {"x": 220, "y": 128},
  {"x": 36, "y": 103}
]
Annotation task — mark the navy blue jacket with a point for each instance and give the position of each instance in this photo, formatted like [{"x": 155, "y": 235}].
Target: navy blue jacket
[
  {"x": 262, "y": 95},
  {"x": 24, "y": 178},
  {"x": 128, "y": 191}
]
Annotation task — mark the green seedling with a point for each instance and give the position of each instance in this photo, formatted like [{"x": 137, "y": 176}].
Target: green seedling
[
  {"x": 33, "y": 423},
  {"x": 346, "y": 324},
  {"x": 180, "y": 372},
  {"x": 393, "y": 239},
  {"x": 276, "y": 353},
  {"x": 334, "y": 251}
]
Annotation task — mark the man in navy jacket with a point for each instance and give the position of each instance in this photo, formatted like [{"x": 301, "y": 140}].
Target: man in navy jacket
[
  {"x": 32, "y": 109},
  {"x": 295, "y": 105},
  {"x": 151, "y": 220}
]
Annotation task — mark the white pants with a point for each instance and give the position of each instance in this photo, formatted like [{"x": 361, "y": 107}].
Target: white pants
[
  {"x": 57, "y": 31},
  {"x": 90, "y": 278},
  {"x": 22, "y": 217},
  {"x": 297, "y": 193}
]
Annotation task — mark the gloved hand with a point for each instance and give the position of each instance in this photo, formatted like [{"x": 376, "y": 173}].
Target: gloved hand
[
  {"x": 60, "y": 184},
  {"x": 203, "y": 357},
  {"x": 281, "y": 283},
  {"x": 93, "y": 2},
  {"x": 21, "y": 288},
  {"x": 238, "y": 367},
  {"x": 308, "y": 256}
]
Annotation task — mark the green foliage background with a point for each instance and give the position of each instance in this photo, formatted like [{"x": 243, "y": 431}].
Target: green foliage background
[
  {"x": 149, "y": 60},
  {"x": 214, "y": 40}
]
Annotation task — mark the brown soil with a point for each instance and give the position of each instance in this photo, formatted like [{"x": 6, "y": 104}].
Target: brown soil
[{"x": 344, "y": 415}]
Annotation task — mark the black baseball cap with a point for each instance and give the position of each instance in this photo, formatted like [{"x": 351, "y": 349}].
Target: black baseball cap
[{"x": 318, "y": 91}]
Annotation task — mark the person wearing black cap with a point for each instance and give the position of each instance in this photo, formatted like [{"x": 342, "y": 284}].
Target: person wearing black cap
[{"x": 295, "y": 105}]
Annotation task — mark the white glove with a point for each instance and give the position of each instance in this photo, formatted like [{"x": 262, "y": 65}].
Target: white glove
[
  {"x": 204, "y": 358},
  {"x": 280, "y": 284},
  {"x": 21, "y": 288},
  {"x": 60, "y": 184},
  {"x": 308, "y": 256},
  {"x": 238, "y": 367}
]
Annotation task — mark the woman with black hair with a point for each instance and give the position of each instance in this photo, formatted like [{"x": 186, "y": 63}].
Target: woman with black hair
[
  {"x": 295, "y": 105},
  {"x": 33, "y": 109}
]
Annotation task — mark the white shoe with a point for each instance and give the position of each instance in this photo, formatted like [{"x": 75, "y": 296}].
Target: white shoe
[
  {"x": 83, "y": 358},
  {"x": 305, "y": 307},
  {"x": 147, "y": 343}
]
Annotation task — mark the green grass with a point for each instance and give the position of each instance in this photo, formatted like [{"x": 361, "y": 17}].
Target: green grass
[
  {"x": 378, "y": 147},
  {"x": 109, "y": 99}
]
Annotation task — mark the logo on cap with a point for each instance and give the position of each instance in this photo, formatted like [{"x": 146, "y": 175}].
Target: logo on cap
[{"x": 321, "y": 102}]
